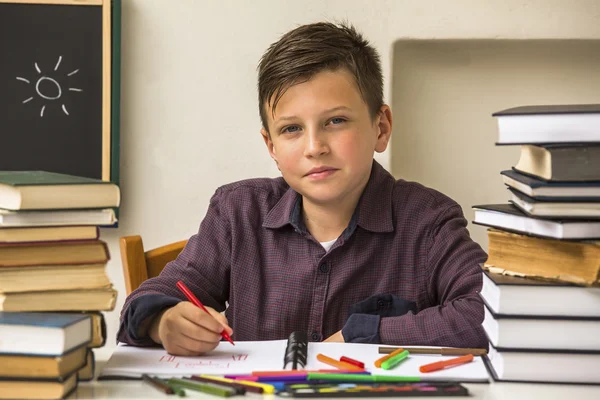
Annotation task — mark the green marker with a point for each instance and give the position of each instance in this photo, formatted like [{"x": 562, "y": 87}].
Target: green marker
[
  {"x": 360, "y": 378},
  {"x": 210, "y": 388},
  {"x": 176, "y": 389},
  {"x": 392, "y": 362}
]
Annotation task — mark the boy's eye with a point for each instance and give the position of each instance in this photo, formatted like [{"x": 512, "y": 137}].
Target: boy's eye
[
  {"x": 290, "y": 129},
  {"x": 337, "y": 120}
]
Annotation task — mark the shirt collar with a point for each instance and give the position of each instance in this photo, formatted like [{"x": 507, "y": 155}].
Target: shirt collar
[
  {"x": 373, "y": 212},
  {"x": 374, "y": 209}
]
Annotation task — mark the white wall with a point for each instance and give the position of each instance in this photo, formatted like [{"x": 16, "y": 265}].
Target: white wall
[{"x": 189, "y": 112}]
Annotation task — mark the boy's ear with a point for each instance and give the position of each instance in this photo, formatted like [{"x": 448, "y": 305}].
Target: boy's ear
[
  {"x": 384, "y": 128},
  {"x": 269, "y": 143}
]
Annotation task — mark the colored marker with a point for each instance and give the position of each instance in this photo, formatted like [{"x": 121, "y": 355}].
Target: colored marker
[
  {"x": 361, "y": 378},
  {"x": 266, "y": 389},
  {"x": 239, "y": 388},
  {"x": 194, "y": 300},
  {"x": 161, "y": 386},
  {"x": 395, "y": 360},
  {"x": 436, "y": 366},
  {"x": 338, "y": 364},
  {"x": 384, "y": 358},
  {"x": 443, "y": 351},
  {"x": 176, "y": 389},
  {"x": 300, "y": 372},
  {"x": 352, "y": 361},
  {"x": 210, "y": 388}
]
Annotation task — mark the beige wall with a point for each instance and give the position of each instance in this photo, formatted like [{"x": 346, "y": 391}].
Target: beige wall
[
  {"x": 444, "y": 92},
  {"x": 189, "y": 112}
]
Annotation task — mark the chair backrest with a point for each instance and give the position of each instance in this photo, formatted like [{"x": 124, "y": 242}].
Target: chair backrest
[{"x": 139, "y": 265}]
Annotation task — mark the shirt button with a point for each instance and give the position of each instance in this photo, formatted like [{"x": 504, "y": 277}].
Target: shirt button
[
  {"x": 324, "y": 268},
  {"x": 314, "y": 336},
  {"x": 380, "y": 304}
]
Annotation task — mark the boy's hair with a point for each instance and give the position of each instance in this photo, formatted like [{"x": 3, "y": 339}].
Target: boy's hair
[{"x": 309, "y": 49}]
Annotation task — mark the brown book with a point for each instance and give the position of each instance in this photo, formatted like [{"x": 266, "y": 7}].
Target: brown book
[
  {"x": 33, "y": 366},
  {"x": 48, "y": 234},
  {"x": 60, "y": 300},
  {"x": 57, "y": 253},
  {"x": 61, "y": 277},
  {"x": 37, "y": 389},
  {"x": 568, "y": 261},
  {"x": 98, "y": 330},
  {"x": 87, "y": 372}
]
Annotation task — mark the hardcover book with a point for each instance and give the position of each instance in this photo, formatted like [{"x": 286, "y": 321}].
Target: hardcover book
[
  {"x": 543, "y": 190},
  {"x": 568, "y": 261},
  {"x": 545, "y": 124},
  {"x": 51, "y": 334},
  {"x": 553, "y": 162},
  {"x": 543, "y": 366},
  {"x": 531, "y": 332},
  {"x": 42, "y": 190},
  {"x": 510, "y": 218},
  {"x": 514, "y": 295}
]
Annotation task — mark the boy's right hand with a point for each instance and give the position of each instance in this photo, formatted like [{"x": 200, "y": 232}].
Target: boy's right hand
[{"x": 186, "y": 330}]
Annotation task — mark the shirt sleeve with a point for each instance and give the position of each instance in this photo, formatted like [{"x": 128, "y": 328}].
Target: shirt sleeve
[
  {"x": 454, "y": 283},
  {"x": 203, "y": 265}
]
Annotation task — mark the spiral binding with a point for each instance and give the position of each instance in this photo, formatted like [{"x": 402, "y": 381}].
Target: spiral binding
[{"x": 296, "y": 352}]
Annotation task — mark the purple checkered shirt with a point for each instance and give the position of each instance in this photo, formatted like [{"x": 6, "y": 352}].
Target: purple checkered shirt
[{"x": 405, "y": 270}]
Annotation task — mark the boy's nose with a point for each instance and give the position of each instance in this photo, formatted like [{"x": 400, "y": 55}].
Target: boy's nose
[{"x": 316, "y": 144}]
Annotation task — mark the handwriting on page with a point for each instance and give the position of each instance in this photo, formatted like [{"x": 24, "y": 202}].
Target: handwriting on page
[{"x": 221, "y": 363}]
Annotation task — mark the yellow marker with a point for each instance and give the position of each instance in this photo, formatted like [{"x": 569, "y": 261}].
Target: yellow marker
[{"x": 267, "y": 389}]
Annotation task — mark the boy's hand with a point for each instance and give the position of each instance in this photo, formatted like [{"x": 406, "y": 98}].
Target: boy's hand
[
  {"x": 336, "y": 337},
  {"x": 186, "y": 330}
]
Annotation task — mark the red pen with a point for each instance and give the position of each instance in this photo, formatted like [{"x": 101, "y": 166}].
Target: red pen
[{"x": 194, "y": 300}]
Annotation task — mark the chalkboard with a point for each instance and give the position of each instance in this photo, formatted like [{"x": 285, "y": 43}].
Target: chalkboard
[{"x": 53, "y": 76}]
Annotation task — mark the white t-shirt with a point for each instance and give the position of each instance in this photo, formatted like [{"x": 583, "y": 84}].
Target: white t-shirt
[{"x": 327, "y": 245}]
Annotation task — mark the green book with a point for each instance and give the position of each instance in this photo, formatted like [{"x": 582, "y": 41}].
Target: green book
[{"x": 41, "y": 190}]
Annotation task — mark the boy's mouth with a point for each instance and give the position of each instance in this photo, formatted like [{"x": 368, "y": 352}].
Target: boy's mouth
[{"x": 320, "y": 172}]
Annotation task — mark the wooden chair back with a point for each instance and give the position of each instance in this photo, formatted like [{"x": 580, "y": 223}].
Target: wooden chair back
[{"x": 139, "y": 265}]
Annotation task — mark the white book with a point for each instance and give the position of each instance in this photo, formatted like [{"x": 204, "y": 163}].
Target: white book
[
  {"x": 542, "y": 333},
  {"x": 544, "y": 366},
  {"x": 543, "y": 124},
  {"x": 100, "y": 217},
  {"x": 510, "y": 218},
  {"x": 511, "y": 295}
]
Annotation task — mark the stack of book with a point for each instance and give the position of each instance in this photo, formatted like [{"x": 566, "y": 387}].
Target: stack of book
[
  {"x": 541, "y": 282},
  {"x": 52, "y": 264}
]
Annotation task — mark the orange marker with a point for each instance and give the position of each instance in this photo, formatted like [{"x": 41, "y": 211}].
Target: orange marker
[
  {"x": 338, "y": 364},
  {"x": 436, "y": 366},
  {"x": 385, "y": 358}
]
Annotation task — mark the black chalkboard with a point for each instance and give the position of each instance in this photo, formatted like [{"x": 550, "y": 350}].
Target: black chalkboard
[{"x": 51, "y": 88}]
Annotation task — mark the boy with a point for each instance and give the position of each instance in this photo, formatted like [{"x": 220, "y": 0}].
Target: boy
[{"x": 336, "y": 247}]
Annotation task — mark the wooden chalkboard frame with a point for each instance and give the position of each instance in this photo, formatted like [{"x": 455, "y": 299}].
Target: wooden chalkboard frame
[{"x": 107, "y": 66}]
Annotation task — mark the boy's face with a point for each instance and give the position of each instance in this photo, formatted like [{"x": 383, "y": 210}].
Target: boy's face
[{"x": 322, "y": 138}]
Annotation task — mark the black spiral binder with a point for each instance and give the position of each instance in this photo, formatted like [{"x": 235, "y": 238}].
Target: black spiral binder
[{"x": 296, "y": 352}]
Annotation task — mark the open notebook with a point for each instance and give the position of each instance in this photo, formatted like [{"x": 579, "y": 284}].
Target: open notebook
[{"x": 245, "y": 357}]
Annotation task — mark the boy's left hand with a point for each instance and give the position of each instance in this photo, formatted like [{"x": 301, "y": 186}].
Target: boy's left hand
[{"x": 336, "y": 337}]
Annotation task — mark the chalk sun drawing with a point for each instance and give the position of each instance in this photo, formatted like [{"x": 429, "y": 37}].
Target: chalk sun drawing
[{"x": 51, "y": 90}]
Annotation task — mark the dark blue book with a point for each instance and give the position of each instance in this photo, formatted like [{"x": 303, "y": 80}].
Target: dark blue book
[
  {"x": 51, "y": 334},
  {"x": 544, "y": 190}
]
